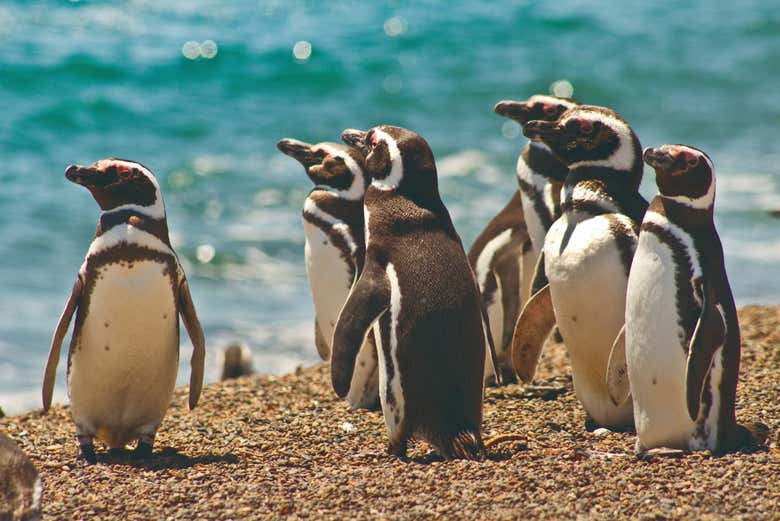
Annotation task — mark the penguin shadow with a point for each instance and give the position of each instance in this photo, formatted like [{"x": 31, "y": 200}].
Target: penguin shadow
[{"x": 165, "y": 459}]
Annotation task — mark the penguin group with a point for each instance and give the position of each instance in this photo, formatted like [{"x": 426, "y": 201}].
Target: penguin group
[{"x": 412, "y": 323}]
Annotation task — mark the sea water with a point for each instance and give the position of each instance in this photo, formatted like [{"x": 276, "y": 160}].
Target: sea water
[{"x": 201, "y": 91}]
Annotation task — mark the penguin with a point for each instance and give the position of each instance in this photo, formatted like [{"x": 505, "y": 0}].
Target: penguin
[
  {"x": 235, "y": 361},
  {"x": 540, "y": 174},
  {"x": 335, "y": 249},
  {"x": 682, "y": 341},
  {"x": 497, "y": 260},
  {"x": 127, "y": 297},
  {"x": 418, "y": 293},
  {"x": 587, "y": 254},
  {"x": 20, "y": 484},
  {"x": 504, "y": 255}
]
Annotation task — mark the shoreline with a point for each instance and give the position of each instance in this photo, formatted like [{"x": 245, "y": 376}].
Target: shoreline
[{"x": 272, "y": 446}]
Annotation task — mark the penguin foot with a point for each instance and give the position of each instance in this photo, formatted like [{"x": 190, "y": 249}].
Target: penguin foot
[
  {"x": 591, "y": 424},
  {"x": 397, "y": 449},
  {"x": 660, "y": 452},
  {"x": 87, "y": 453},
  {"x": 751, "y": 436},
  {"x": 142, "y": 451}
]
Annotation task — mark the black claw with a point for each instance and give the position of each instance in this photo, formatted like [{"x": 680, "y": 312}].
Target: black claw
[
  {"x": 88, "y": 453},
  {"x": 142, "y": 451}
]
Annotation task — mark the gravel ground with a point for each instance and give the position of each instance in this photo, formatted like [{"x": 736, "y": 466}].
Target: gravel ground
[{"x": 272, "y": 447}]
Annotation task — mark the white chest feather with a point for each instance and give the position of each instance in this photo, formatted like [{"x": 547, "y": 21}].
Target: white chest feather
[
  {"x": 655, "y": 358},
  {"x": 542, "y": 192},
  {"x": 329, "y": 277},
  {"x": 124, "y": 363},
  {"x": 588, "y": 288},
  {"x": 655, "y": 354}
]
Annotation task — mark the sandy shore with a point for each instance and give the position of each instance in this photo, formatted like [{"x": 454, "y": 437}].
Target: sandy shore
[{"x": 268, "y": 447}]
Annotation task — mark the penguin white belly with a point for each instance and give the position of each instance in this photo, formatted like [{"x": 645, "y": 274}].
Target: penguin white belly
[
  {"x": 655, "y": 357},
  {"x": 330, "y": 282},
  {"x": 495, "y": 313},
  {"x": 588, "y": 289},
  {"x": 329, "y": 278},
  {"x": 123, "y": 367}
]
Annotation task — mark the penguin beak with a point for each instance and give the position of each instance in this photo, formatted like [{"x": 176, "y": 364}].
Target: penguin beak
[
  {"x": 541, "y": 129},
  {"x": 356, "y": 138},
  {"x": 658, "y": 158},
  {"x": 298, "y": 150},
  {"x": 88, "y": 176},
  {"x": 516, "y": 110}
]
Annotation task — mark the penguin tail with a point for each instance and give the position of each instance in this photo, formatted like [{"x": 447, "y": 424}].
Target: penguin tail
[{"x": 466, "y": 444}]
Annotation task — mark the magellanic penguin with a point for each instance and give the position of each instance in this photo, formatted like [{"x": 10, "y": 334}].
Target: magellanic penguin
[
  {"x": 235, "y": 361},
  {"x": 540, "y": 174},
  {"x": 504, "y": 255},
  {"x": 587, "y": 254},
  {"x": 682, "y": 343},
  {"x": 418, "y": 293},
  {"x": 497, "y": 260},
  {"x": 128, "y": 295},
  {"x": 335, "y": 249}
]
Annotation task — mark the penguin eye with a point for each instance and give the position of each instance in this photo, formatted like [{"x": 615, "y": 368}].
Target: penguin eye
[
  {"x": 586, "y": 127},
  {"x": 691, "y": 159},
  {"x": 550, "y": 110}
]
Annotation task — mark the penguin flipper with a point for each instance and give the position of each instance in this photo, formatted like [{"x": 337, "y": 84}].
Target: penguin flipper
[
  {"x": 50, "y": 373},
  {"x": 617, "y": 372},
  {"x": 708, "y": 336},
  {"x": 533, "y": 327},
  {"x": 195, "y": 331},
  {"x": 367, "y": 301}
]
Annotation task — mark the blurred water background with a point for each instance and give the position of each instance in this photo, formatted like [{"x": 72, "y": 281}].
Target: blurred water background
[{"x": 201, "y": 91}]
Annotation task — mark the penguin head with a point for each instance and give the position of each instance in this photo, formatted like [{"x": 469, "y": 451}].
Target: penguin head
[
  {"x": 683, "y": 173},
  {"x": 538, "y": 107},
  {"x": 332, "y": 166},
  {"x": 118, "y": 184},
  {"x": 587, "y": 135},
  {"x": 396, "y": 159}
]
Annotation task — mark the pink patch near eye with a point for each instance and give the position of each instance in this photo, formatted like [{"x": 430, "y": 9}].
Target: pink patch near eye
[
  {"x": 586, "y": 127},
  {"x": 549, "y": 109},
  {"x": 691, "y": 159}
]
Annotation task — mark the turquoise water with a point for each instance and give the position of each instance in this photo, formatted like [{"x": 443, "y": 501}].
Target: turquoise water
[{"x": 80, "y": 81}]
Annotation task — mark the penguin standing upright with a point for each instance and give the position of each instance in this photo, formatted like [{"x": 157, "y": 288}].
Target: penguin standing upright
[
  {"x": 504, "y": 255},
  {"x": 418, "y": 293},
  {"x": 587, "y": 254},
  {"x": 497, "y": 260},
  {"x": 540, "y": 174},
  {"x": 335, "y": 248},
  {"x": 682, "y": 343},
  {"x": 128, "y": 295}
]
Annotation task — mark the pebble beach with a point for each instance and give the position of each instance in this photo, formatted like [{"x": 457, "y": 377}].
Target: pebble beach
[{"x": 284, "y": 446}]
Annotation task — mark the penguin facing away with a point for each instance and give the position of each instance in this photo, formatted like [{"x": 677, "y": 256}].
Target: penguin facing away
[
  {"x": 335, "y": 249},
  {"x": 587, "y": 254},
  {"x": 127, "y": 298},
  {"x": 419, "y": 295},
  {"x": 682, "y": 342},
  {"x": 504, "y": 255}
]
